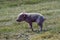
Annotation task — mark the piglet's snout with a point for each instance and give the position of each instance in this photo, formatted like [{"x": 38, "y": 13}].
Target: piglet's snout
[{"x": 17, "y": 20}]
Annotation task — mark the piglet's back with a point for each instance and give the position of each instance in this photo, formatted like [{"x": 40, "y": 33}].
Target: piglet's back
[{"x": 34, "y": 14}]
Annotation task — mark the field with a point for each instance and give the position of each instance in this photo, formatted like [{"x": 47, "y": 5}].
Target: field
[{"x": 12, "y": 30}]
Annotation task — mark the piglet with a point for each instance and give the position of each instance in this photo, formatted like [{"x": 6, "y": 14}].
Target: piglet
[{"x": 30, "y": 18}]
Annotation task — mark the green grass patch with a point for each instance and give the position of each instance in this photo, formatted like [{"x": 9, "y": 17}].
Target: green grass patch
[{"x": 9, "y": 10}]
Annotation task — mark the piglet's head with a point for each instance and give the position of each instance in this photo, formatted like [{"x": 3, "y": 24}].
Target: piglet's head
[{"x": 21, "y": 17}]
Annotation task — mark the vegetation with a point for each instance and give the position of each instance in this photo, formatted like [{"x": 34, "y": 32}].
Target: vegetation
[{"x": 12, "y": 30}]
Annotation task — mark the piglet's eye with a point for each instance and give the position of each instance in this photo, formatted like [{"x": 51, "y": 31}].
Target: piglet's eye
[{"x": 24, "y": 15}]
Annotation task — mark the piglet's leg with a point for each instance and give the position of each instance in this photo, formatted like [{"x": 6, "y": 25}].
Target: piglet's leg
[
  {"x": 31, "y": 26},
  {"x": 40, "y": 23},
  {"x": 41, "y": 26}
]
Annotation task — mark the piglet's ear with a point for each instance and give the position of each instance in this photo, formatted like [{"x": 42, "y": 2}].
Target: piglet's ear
[
  {"x": 23, "y": 15},
  {"x": 23, "y": 12}
]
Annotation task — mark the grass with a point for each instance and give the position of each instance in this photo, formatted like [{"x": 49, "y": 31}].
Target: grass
[
  {"x": 45, "y": 36},
  {"x": 12, "y": 30}
]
